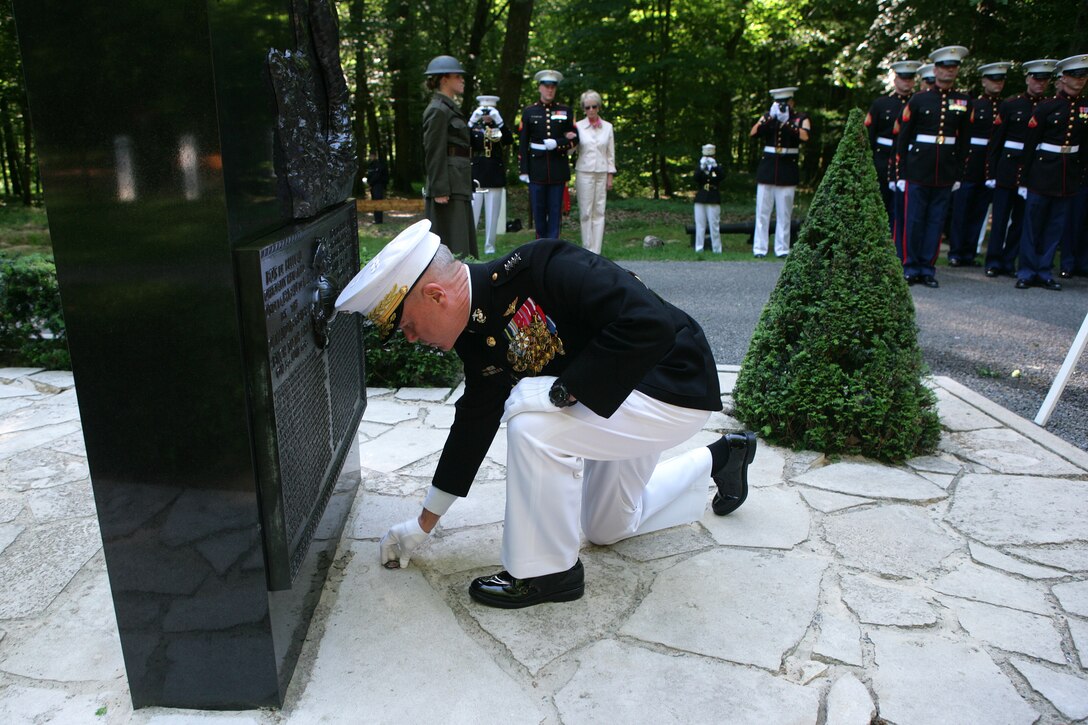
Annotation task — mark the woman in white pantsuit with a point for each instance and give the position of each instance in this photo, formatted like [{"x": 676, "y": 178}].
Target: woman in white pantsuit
[{"x": 595, "y": 167}]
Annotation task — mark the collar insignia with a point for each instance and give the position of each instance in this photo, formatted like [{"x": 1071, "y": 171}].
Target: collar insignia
[
  {"x": 512, "y": 262},
  {"x": 479, "y": 317}
]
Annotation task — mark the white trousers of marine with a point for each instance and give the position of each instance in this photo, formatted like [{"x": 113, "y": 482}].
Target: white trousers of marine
[
  {"x": 782, "y": 199},
  {"x": 491, "y": 203},
  {"x": 708, "y": 215},
  {"x": 592, "y": 190},
  {"x": 573, "y": 469}
]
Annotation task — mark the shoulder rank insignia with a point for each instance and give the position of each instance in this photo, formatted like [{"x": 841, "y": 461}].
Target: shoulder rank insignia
[
  {"x": 1032, "y": 123},
  {"x": 906, "y": 113},
  {"x": 512, "y": 308},
  {"x": 514, "y": 260},
  {"x": 868, "y": 119},
  {"x": 479, "y": 317},
  {"x": 490, "y": 370},
  {"x": 532, "y": 339}
]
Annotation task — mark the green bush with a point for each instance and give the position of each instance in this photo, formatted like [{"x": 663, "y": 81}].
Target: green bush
[
  {"x": 31, "y": 321},
  {"x": 401, "y": 364},
  {"x": 834, "y": 363}
]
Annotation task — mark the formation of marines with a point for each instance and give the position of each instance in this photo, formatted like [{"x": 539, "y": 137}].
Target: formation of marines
[{"x": 945, "y": 159}]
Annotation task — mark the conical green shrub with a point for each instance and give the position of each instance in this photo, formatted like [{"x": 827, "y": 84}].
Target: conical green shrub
[{"x": 834, "y": 363}]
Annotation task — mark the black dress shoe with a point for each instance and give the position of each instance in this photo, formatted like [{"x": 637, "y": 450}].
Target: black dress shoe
[
  {"x": 956, "y": 263},
  {"x": 930, "y": 281},
  {"x": 508, "y": 592},
  {"x": 912, "y": 279},
  {"x": 1022, "y": 284},
  {"x": 1052, "y": 284},
  {"x": 992, "y": 272},
  {"x": 1065, "y": 274},
  {"x": 732, "y": 478}
]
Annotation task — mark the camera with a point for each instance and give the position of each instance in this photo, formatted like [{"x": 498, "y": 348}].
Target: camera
[
  {"x": 783, "y": 106},
  {"x": 487, "y": 111}
]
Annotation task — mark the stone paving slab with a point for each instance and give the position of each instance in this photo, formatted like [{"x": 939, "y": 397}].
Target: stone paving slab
[{"x": 951, "y": 589}]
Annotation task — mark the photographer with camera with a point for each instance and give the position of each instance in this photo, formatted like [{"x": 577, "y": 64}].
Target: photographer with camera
[
  {"x": 490, "y": 139},
  {"x": 781, "y": 131}
]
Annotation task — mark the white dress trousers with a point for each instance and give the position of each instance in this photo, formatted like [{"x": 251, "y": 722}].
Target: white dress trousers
[
  {"x": 620, "y": 491},
  {"x": 782, "y": 199},
  {"x": 708, "y": 215},
  {"x": 491, "y": 202},
  {"x": 592, "y": 190}
]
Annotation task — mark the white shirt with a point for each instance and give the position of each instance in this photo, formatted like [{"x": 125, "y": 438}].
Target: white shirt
[{"x": 596, "y": 147}]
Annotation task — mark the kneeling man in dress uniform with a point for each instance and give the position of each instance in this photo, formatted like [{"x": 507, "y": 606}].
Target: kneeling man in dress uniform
[{"x": 594, "y": 375}]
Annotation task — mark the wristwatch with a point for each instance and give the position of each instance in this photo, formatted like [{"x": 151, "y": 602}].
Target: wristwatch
[{"x": 559, "y": 396}]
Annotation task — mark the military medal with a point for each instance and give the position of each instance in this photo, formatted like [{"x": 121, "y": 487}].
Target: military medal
[{"x": 532, "y": 340}]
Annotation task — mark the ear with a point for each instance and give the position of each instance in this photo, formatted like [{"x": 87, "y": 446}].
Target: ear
[{"x": 434, "y": 292}]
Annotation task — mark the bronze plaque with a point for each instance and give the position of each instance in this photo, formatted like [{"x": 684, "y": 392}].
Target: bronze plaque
[{"x": 307, "y": 386}]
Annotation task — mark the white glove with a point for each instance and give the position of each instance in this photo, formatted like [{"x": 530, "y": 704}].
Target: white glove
[
  {"x": 891, "y": 186},
  {"x": 955, "y": 186},
  {"x": 496, "y": 117},
  {"x": 530, "y": 395},
  {"x": 991, "y": 183},
  {"x": 773, "y": 110},
  {"x": 476, "y": 116},
  {"x": 550, "y": 144},
  {"x": 901, "y": 185},
  {"x": 1023, "y": 192},
  {"x": 401, "y": 540},
  {"x": 523, "y": 178}
]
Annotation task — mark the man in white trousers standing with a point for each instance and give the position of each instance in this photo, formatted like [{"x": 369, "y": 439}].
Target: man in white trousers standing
[
  {"x": 708, "y": 200},
  {"x": 490, "y": 139},
  {"x": 595, "y": 376},
  {"x": 781, "y": 131}
]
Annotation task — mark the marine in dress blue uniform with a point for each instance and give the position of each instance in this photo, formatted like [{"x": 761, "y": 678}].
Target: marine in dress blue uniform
[
  {"x": 880, "y": 121},
  {"x": 547, "y": 137},
  {"x": 490, "y": 140},
  {"x": 931, "y": 145},
  {"x": 780, "y": 131},
  {"x": 1055, "y": 154},
  {"x": 972, "y": 200},
  {"x": 584, "y": 363},
  {"x": 1005, "y": 164},
  {"x": 708, "y": 200}
]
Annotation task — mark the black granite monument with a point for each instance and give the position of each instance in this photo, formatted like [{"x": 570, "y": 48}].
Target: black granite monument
[{"x": 196, "y": 157}]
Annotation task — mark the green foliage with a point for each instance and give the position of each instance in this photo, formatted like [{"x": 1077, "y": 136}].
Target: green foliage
[
  {"x": 834, "y": 363},
  {"x": 400, "y": 364},
  {"x": 31, "y": 321}
]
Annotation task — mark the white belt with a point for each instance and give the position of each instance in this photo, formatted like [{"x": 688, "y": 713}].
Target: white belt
[
  {"x": 778, "y": 150},
  {"x": 883, "y": 141},
  {"x": 1018, "y": 145},
  {"x": 976, "y": 141},
  {"x": 1055, "y": 149},
  {"x": 927, "y": 138},
  {"x": 538, "y": 146}
]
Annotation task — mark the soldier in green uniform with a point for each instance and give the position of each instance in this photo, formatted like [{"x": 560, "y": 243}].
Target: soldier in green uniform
[{"x": 446, "y": 152}]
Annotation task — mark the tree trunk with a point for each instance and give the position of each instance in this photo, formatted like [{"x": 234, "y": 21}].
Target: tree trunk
[
  {"x": 402, "y": 20},
  {"x": 28, "y": 149},
  {"x": 661, "y": 95},
  {"x": 362, "y": 93},
  {"x": 515, "y": 48},
  {"x": 9, "y": 147},
  {"x": 481, "y": 21},
  {"x": 4, "y": 167}
]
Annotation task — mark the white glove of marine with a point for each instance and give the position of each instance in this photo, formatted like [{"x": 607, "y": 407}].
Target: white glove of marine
[
  {"x": 991, "y": 183},
  {"x": 782, "y": 114},
  {"x": 550, "y": 144},
  {"x": 901, "y": 185},
  {"x": 399, "y": 543},
  {"x": 773, "y": 110},
  {"x": 523, "y": 178},
  {"x": 496, "y": 117},
  {"x": 955, "y": 186},
  {"x": 1023, "y": 192},
  {"x": 707, "y": 163},
  {"x": 891, "y": 186},
  {"x": 476, "y": 116},
  {"x": 530, "y": 395}
]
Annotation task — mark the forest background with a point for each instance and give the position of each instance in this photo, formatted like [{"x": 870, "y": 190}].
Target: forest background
[{"x": 673, "y": 74}]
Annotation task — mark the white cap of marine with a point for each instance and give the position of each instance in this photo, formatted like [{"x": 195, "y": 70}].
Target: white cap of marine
[
  {"x": 548, "y": 76},
  {"x": 994, "y": 69},
  {"x": 488, "y": 101},
  {"x": 906, "y": 67},
  {"x": 1042, "y": 65},
  {"x": 948, "y": 54},
  {"x": 782, "y": 94},
  {"x": 1073, "y": 62},
  {"x": 926, "y": 71},
  {"x": 709, "y": 149},
  {"x": 381, "y": 286}
]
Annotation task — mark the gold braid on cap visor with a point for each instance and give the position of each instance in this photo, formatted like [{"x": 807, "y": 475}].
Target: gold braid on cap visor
[{"x": 382, "y": 314}]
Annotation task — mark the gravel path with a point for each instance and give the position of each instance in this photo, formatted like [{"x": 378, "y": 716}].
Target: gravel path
[{"x": 973, "y": 329}]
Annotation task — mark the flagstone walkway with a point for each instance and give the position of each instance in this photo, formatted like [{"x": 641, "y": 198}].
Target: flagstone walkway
[{"x": 953, "y": 589}]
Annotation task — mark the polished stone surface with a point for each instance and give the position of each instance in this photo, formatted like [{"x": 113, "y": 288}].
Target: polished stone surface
[{"x": 802, "y": 608}]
